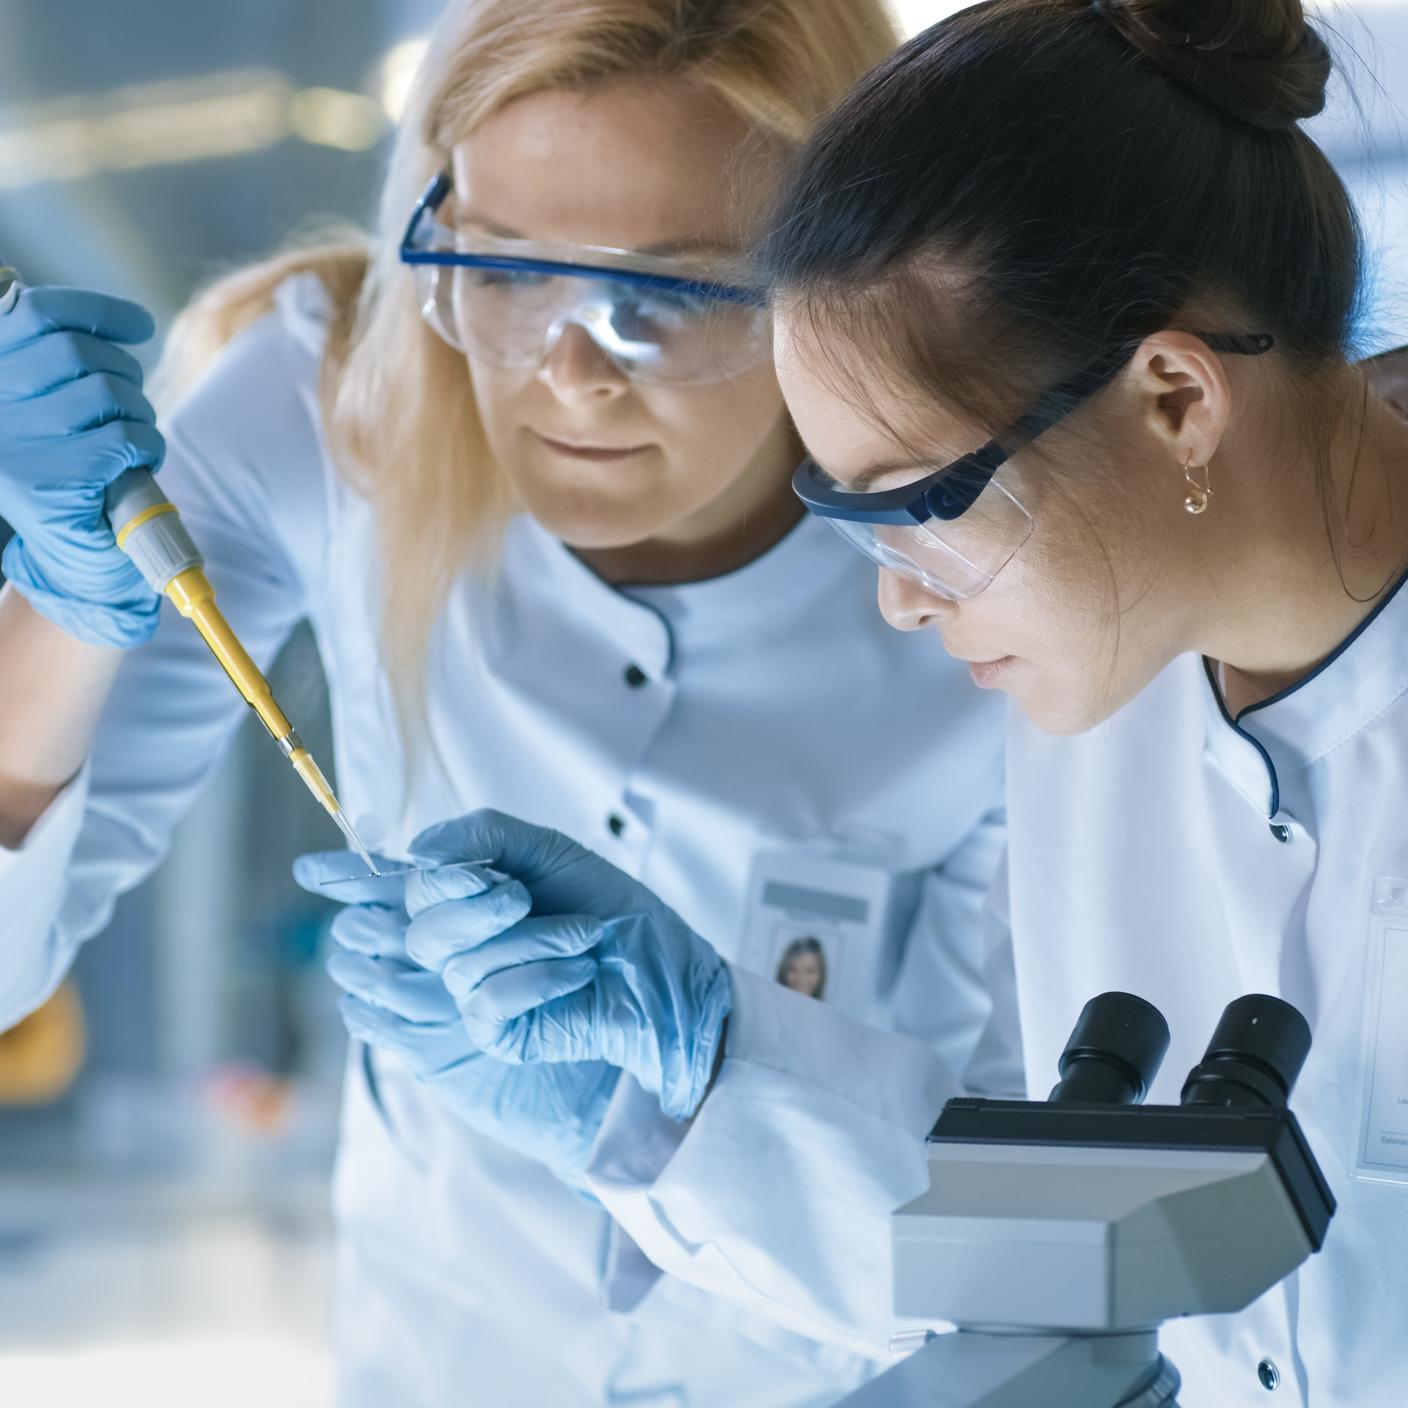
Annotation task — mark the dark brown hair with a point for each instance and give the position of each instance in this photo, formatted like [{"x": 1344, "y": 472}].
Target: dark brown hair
[{"x": 1032, "y": 184}]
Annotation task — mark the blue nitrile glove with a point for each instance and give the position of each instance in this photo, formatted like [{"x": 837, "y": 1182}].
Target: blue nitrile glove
[
  {"x": 72, "y": 418},
  {"x": 549, "y": 1113},
  {"x": 601, "y": 970}
]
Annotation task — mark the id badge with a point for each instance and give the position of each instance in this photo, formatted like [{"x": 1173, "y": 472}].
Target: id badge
[
  {"x": 819, "y": 924},
  {"x": 1382, "y": 1154}
]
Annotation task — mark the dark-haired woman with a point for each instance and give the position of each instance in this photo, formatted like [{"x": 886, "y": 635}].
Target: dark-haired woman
[
  {"x": 1065, "y": 307},
  {"x": 1187, "y": 546}
]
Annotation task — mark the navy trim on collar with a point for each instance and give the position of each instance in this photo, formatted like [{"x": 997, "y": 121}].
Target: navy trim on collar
[
  {"x": 1236, "y": 728},
  {"x": 1235, "y": 724},
  {"x": 1328, "y": 660}
]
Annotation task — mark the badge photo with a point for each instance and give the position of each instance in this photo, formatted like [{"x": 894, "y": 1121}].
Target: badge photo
[{"x": 819, "y": 924}]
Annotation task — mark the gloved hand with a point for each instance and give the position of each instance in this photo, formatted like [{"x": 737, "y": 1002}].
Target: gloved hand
[
  {"x": 72, "y": 418},
  {"x": 549, "y": 1113},
  {"x": 569, "y": 959}
]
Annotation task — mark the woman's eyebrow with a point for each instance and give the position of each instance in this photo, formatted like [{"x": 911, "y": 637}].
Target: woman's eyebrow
[
  {"x": 872, "y": 472},
  {"x": 492, "y": 227},
  {"x": 690, "y": 244}
]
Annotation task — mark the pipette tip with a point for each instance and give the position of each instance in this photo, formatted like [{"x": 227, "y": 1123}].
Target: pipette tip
[{"x": 340, "y": 817}]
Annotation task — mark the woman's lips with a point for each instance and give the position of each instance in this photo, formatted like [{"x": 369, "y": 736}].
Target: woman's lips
[
  {"x": 584, "y": 450},
  {"x": 986, "y": 673}
]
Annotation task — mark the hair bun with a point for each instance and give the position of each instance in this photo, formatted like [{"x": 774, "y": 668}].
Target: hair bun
[{"x": 1258, "y": 60}]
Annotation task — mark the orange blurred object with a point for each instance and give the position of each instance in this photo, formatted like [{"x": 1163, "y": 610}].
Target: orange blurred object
[
  {"x": 252, "y": 1099},
  {"x": 41, "y": 1057}
]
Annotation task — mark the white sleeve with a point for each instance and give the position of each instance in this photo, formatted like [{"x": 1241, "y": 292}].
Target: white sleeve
[
  {"x": 952, "y": 990},
  {"x": 778, "y": 1194},
  {"x": 996, "y": 1067},
  {"x": 243, "y": 430}
]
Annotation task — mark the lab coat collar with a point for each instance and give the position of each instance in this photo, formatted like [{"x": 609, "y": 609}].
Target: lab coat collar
[
  {"x": 1268, "y": 742},
  {"x": 745, "y": 604},
  {"x": 540, "y": 570},
  {"x": 766, "y": 595}
]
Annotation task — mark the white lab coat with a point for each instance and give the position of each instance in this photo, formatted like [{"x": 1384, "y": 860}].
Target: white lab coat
[
  {"x": 1143, "y": 858},
  {"x": 1148, "y": 862},
  {"x": 777, "y": 711}
]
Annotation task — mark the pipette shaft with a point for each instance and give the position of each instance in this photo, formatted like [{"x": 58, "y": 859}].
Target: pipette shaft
[{"x": 150, "y": 532}]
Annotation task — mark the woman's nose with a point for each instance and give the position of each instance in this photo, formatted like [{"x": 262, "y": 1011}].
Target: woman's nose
[
  {"x": 576, "y": 370},
  {"x": 907, "y": 606}
]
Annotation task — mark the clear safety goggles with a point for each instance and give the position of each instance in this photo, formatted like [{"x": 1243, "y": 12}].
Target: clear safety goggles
[
  {"x": 953, "y": 528},
  {"x": 508, "y": 301}
]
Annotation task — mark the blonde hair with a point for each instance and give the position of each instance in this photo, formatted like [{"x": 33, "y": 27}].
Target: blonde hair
[{"x": 397, "y": 416}]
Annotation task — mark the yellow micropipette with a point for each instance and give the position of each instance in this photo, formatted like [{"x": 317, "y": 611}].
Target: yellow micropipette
[{"x": 150, "y": 532}]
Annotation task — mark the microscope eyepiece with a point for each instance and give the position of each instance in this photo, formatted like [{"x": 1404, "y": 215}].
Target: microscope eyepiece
[
  {"x": 1254, "y": 1057},
  {"x": 1114, "y": 1052}
]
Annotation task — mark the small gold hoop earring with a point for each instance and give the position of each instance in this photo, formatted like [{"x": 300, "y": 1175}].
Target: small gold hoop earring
[{"x": 1198, "y": 494}]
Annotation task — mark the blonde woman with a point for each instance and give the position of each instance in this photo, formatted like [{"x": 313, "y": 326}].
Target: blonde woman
[{"x": 523, "y": 463}]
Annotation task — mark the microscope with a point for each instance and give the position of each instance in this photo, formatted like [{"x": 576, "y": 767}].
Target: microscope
[{"x": 1057, "y": 1236}]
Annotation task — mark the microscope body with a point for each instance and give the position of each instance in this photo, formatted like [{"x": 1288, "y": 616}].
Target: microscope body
[{"x": 1057, "y": 1236}]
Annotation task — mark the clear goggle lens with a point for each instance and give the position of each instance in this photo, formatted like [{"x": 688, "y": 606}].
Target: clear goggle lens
[
  {"x": 512, "y": 318},
  {"x": 953, "y": 558}
]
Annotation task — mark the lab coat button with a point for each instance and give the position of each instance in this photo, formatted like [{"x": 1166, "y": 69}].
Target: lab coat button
[
  {"x": 1269, "y": 1375},
  {"x": 635, "y": 676},
  {"x": 616, "y": 824},
  {"x": 1283, "y": 835}
]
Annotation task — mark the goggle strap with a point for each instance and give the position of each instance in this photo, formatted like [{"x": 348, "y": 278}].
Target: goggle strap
[{"x": 1091, "y": 379}]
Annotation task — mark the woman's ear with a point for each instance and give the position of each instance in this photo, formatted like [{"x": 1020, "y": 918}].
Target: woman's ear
[
  {"x": 1388, "y": 378},
  {"x": 1185, "y": 400}
]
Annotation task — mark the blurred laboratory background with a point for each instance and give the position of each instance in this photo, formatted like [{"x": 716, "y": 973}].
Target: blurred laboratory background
[{"x": 167, "y": 1124}]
